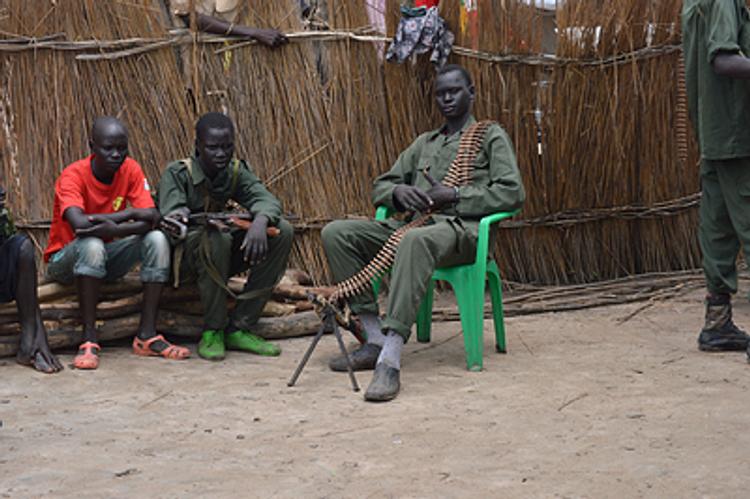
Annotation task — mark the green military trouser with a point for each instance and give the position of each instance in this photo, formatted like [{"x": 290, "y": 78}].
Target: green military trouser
[
  {"x": 351, "y": 244},
  {"x": 724, "y": 220},
  {"x": 228, "y": 260}
]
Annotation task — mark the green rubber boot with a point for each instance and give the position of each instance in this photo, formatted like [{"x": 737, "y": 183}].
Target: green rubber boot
[
  {"x": 211, "y": 346},
  {"x": 248, "y": 342}
]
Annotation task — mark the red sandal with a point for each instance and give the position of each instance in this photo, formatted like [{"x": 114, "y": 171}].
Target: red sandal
[
  {"x": 88, "y": 356},
  {"x": 174, "y": 352}
]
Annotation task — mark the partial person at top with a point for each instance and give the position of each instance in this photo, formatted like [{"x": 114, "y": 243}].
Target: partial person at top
[{"x": 219, "y": 17}]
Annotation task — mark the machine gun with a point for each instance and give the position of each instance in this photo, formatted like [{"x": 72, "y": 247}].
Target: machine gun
[
  {"x": 332, "y": 316},
  {"x": 220, "y": 221}
]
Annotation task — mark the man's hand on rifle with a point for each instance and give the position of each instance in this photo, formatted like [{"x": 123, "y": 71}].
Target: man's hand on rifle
[
  {"x": 180, "y": 214},
  {"x": 255, "y": 244},
  {"x": 441, "y": 195}
]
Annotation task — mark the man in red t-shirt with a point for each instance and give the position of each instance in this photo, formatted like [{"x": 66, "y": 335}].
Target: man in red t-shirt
[{"x": 96, "y": 236}]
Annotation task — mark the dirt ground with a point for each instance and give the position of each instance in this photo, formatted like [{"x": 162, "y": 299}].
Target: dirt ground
[{"x": 583, "y": 405}]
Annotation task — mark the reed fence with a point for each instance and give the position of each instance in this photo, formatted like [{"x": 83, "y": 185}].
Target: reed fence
[{"x": 600, "y": 127}]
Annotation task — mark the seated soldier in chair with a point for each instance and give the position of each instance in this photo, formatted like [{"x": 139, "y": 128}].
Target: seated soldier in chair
[
  {"x": 96, "y": 237},
  {"x": 450, "y": 240},
  {"x": 18, "y": 282},
  {"x": 206, "y": 183}
]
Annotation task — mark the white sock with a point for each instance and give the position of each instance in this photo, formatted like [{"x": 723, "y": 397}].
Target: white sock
[
  {"x": 371, "y": 325},
  {"x": 390, "y": 355}
]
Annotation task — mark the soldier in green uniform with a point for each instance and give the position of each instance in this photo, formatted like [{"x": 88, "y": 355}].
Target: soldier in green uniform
[
  {"x": 716, "y": 40},
  {"x": 451, "y": 240},
  {"x": 205, "y": 183}
]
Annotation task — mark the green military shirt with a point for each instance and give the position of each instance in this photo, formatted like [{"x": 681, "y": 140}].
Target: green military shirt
[
  {"x": 719, "y": 105},
  {"x": 6, "y": 222},
  {"x": 496, "y": 182},
  {"x": 181, "y": 187}
]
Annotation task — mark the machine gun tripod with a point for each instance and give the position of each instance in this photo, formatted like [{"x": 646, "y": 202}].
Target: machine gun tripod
[{"x": 330, "y": 317}]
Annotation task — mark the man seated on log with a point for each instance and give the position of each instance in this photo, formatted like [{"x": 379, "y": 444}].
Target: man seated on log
[
  {"x": 219, "y": 17},
  {"x": 18, "y": 282},
  {"x": 95, "y": 237},
  {"x": 450, "y": 240},
  {"x": 717, "y": 70},
  {"x": 211, "y": 254}
]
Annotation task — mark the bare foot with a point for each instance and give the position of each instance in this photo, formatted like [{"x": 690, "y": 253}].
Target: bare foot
[{"x": 40, "y": 358}]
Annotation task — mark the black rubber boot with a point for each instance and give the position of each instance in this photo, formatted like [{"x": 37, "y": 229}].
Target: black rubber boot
[
  {"x": 720, "y": 334},
  {"x": 385, "y": 384},
  {"x": 363, "y": 359}
]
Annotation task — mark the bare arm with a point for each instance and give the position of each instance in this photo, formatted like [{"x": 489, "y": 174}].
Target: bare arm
[
  {"x": 214, "y": 25},
  {"x": 107, "y": 226},
  {"x": 732, "y": 65}
]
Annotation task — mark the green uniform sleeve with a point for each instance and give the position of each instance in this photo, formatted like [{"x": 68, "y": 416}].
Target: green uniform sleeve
[
  {"x": 255, "y": 198},
  {"x": 6, "y": 225},
  {"x": 401, "y": 173},
  {"x": 504, "y": 189},
  {"x": 723, "y": 27},
  {"x": 6, "y": 222},
  {"x": 172, "y": 190}
]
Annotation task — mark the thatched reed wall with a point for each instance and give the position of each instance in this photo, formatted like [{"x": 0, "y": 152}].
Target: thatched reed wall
[{"x": 319, "y": 119}]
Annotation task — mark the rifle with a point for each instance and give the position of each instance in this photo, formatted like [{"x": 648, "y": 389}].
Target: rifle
[{"x": 223, "y": 222}]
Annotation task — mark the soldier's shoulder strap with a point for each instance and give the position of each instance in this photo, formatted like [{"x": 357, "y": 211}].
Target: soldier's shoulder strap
[
  {"x": 236, "y": 163},
  {"x": 186, "y": 164}
]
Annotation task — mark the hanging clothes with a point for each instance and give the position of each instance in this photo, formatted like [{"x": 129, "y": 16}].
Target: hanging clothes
[
  {"x": 469, "y": 22},
  {"x": 421, "y": 30},
  {"x": 376, "y": 14}
]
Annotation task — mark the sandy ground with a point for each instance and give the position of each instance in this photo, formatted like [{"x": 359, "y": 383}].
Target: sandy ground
[{"x": 581, "y": 406}]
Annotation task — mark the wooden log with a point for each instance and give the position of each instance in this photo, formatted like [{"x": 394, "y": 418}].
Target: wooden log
[
  {"x": 297, "y": 292},
  {"x": 276, "y": 309},
  {"x": 290, "y": 326},
  {"x": 271, "y": 308},
  {"x": 303, "y": 306},
  {"x": 58, "y": 294},
  {"x": 52, "y": 291},
  {"x": 105, "y": 310},
  {"x": 127, "y": 306},
  {"x": 298, "y": 276},
  {"x": 194, "y": 308}
]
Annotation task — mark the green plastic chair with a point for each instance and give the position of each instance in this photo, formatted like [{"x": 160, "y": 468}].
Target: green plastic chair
[{"x": 468, "y": 283}]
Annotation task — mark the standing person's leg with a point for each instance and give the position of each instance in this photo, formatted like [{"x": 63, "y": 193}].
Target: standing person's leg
[
  {"x": 153, "y": 252},
  {"x": 263, "y": 277},
  {"x": 83, "y": 261},
  {"x": 721, "y": 224},
  {"x": 34, "y": 348},
  {"x": 421, "y": 251},
  {"x": 734, "y": 178},
  {"x": 349, "y": 246}
]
